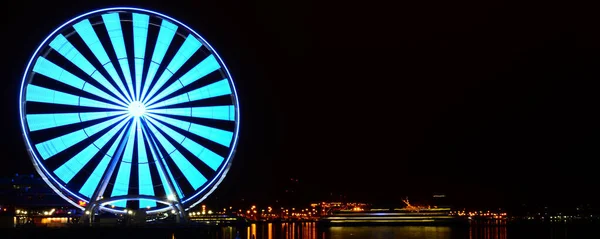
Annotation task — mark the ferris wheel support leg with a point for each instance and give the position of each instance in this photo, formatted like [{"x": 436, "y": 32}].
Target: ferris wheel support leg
[
  {"x": 93, "y": 206},
  {"x": 176, "y": 201}
]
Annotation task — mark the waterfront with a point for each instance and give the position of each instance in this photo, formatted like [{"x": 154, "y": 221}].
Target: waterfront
[{"x": 309, "y": 230}]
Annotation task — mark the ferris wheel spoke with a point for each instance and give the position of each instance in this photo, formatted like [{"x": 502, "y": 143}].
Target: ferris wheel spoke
[
  {"x": 162, "y": 169},
  {"x": 68, "y": 170},
  {"x": 219, "y": 136},
  {"x": 165, "y": 36},
  {"x": 55, "y": 72},
  {"x": 87, "y": 33},
  {"x": 205, "y": 67},
  {"x": 91, "y": 184},
  {"x": 112, "y": 22},
  {"x": 189, "y": 47},
  {"x": 140, "y": 34},
  {"x": 54, "y": 146},
  {"x": 218, "y": 88},
  {"x": 44, "y": 95},
  {"x": 67, "y": 50},
  {"x": 121, "y": 185},
  {"x": 189, "y": 171},
  {"x": 220, "y": 112},
  {"x": 207, "y": 156},
  {"x": 145, "y": 184},
  {"x": 46, "y": 121}
]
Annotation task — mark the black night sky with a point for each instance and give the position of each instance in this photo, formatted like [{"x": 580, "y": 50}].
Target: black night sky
[{"x": 491, "y": 102}]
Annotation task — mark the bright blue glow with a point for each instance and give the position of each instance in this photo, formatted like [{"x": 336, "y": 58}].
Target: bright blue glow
[
  {"x": 216, "y": 135},
  {"x": 207, "y": 156},
  {"x": 125, "y": 68},
  {"x": 112, "y": 22},
  {"x": 55, "y": 72},
  {"x": 48, "y": 177},
  {"x": 173, "y": 111},
  {"x": 213, "y": 90},
  {"x": 223, "y": 112},
  {"x": 194, "y": 177},
  {"x": 52, "y": 147},
  {"x": 95, "y": 91},
  {"x": 51, "y": 70},
  {"x": 145, "y": 180},
  {"x": 226, "y": 112},
  {"x": 100, "y": 78},
  {"x": 97, "y": 104},
  {"x": 167, "y": 91},
  {"x": 91, "y": 130},
  {"x": 65, "y": 48},
  {"x": 218, "y": 88},
  {"x": 177, "y": 123},
  {"x": 113, "y": 27},
  {"x": 121, "y": 186},
  {"x": 67, "y": 171},
  {"x": 46, "y": 121},
  {"x": 87, "y": 33},
  {"x": 44, "y": 95},
  {"x": 149, "y": 77},
  {"x": 105, "y": 138},
  {"x": 162, "y": 140},
  {"x": 93, "y": 180},
  {"x": 183, "y": 98},
  {"x": 165, "y": 36},
  {"x": 163, "y": 177},
  {"x": 189, "y": 47},
  {"x": 113, "y": 74},
  {"x": 170, "y": 132},
  {"x": 192, "y": 174},
  {"x": 140, "y": 34},
  {"x": 205, "y": 67},
  {"x": 128, "y": 153},
  {"x": 98, "y": 115}
]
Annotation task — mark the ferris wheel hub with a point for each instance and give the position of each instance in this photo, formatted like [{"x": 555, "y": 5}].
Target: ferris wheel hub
[{"x": 136, "y": 109}]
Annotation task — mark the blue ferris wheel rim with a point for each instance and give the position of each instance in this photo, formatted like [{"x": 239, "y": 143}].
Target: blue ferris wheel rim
[{"x": 56, "y": 184}]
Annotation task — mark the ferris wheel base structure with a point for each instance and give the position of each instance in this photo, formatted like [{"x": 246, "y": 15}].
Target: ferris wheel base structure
[{"x": 127, "y": 110}]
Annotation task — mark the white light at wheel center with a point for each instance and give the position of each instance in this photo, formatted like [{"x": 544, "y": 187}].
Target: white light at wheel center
[{"x": 137, "y": 109}]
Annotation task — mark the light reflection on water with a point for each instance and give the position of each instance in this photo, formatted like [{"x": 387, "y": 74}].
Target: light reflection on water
[{"x": 311, "y": 231}]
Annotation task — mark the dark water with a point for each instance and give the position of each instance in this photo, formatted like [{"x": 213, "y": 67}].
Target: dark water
[{"x": 310, "y": 231}]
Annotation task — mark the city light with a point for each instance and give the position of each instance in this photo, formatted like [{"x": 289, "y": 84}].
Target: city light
[{"x": 171, "y": 197}]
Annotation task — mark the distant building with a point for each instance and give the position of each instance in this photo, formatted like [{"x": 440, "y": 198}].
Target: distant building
[{"x": 28, "y": 190}]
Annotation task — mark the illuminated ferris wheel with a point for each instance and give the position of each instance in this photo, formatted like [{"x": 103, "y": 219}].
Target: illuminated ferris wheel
[{"x": 125, "y": 108}]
